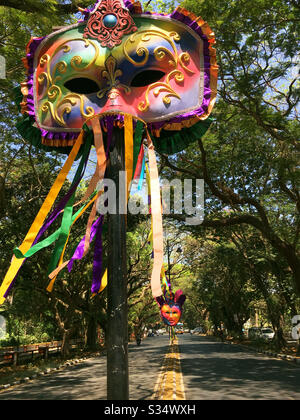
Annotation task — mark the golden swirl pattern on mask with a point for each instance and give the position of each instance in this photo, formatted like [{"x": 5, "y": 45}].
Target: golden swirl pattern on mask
[
  {"x": 55, "y": 102},
  {"x": 159, "y": 88},
  {"x": 142, "y": 37},
  {"x": 184, "y": 60},
  {"x": 161, "y": 53},
  {"x": 65, "y": 106}
]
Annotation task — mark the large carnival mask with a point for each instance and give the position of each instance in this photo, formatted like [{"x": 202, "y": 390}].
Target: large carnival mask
[
  {"x": 158, "y": 68},
  {"x": 153, "y": 75}
]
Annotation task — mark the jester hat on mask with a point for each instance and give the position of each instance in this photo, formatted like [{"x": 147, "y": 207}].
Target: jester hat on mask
[{"x": 153, "y": 75}]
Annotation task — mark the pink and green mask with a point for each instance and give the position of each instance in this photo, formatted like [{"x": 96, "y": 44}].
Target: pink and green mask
[
  {"x": 158, "y": 68},
  {"x": 154, "y": 75}
]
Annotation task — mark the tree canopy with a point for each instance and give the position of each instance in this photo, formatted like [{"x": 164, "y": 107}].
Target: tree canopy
[{"x": 247, "y": 249}]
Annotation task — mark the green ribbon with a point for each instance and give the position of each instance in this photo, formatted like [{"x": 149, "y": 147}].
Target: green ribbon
[
  {"x": 68, "y": 212},
  {"x": 47, "y": 241},
  {"x": 138, "y": 137},
  {"x": 63, "y": 232}
]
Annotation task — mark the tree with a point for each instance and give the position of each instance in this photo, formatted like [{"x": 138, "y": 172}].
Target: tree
[
  {"x": 46, "y": 8},
  {"x": 26, "y": 174},
  {"x": 248, "y": 160},
  {"x": 142, "y": 309},
  {"x": 222, "y": 282}
]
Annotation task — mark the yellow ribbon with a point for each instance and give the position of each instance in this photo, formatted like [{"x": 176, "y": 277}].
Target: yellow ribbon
[
  {"x": 103, "y": 284},
  {"x": 128, "y": 137},
  {"x": 98, "y": 175},
  {"x": 40, "y": 218}
]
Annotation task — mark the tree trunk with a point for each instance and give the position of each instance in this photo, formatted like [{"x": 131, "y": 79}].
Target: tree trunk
[
  {"x": 279, "y": 339},
  {"x": 91, "y": 339},
  {"x": 2, "y": 197},
  {"x": 117, "y": 316},
  {"x": 65, "y": 348}
]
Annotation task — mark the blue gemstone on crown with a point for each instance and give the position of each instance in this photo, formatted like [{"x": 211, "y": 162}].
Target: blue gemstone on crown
[{"x": 109, "y": 21}]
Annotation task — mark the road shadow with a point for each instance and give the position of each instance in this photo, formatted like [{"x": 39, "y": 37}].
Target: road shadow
[
  {"x": 87, "y": 380},
  {"x": 84, "y": 381},
  {"x": 145, "y": 362},
  {"x": 215, "y": 370}
]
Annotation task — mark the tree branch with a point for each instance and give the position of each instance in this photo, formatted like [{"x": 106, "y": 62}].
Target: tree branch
[{"x": 30, "y": 6}]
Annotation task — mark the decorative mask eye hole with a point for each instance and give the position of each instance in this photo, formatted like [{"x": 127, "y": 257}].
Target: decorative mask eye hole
[
  {"x": 82, "y": 85},
  {"x": 147, "y": 77}
]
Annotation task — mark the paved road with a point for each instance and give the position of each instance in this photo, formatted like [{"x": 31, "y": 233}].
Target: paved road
[
  {"x": 87, "y": 380},
  {"x": 211, "y": 371},
  {"x": 219, "y": 371}
]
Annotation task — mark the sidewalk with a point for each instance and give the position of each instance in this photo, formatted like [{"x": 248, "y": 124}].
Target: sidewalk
[
  {"x": 85, "y": 379},
  {"x": 288, "y": 355}
]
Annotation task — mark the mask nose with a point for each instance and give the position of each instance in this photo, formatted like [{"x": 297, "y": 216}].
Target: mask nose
[
  {"x": 115, "y": 89},
  {"x": 114, "y": 97}
]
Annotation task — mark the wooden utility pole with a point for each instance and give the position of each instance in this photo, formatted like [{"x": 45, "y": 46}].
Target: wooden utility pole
[{"x": 117, "y": 313}]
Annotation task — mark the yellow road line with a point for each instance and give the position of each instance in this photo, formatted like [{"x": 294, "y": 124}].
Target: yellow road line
[{"x": 169, "y": 385}]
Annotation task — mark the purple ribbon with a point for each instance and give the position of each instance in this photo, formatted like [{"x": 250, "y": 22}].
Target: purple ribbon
[
  {"x": 98, "y": 260},
  {"x": 78, "y": 254},
  {"x": 96, "y": 229},
  {"x": 50, "y": 220},
  {"x": 61, "y": 205},
  {"x": 98, "y": 249}
]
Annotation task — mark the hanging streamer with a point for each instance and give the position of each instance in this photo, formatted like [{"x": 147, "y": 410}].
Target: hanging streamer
[
  {"x": 68, "y": 213},
  {"x": 139, "y": 163},
  {"x": 101, "y": 167},
  {"x": 142, "y": 174},
  {"x": 150, "y": 237},
  {"x": 98, "y": 175},
  {"x": 138, "y": 148},
  {"x": 48, "y": 241},
  {"x": 103, "y": 284},
  {"x": 93, "y": 228},
  {"x": 128, "y": 138},
  {"x": 53, "y": 275},
  {"x": 78, "y": 254},
  {"x": 40, "y": 218},
  {"x": 98, "y": 260},
  {"x": 64, "y": 234},
  {"x": 157, "y": 225},
  {"x": 97, "y": 225},
  {"x": 61, "y": 205},
  {"x": 52, "y": 238}
]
